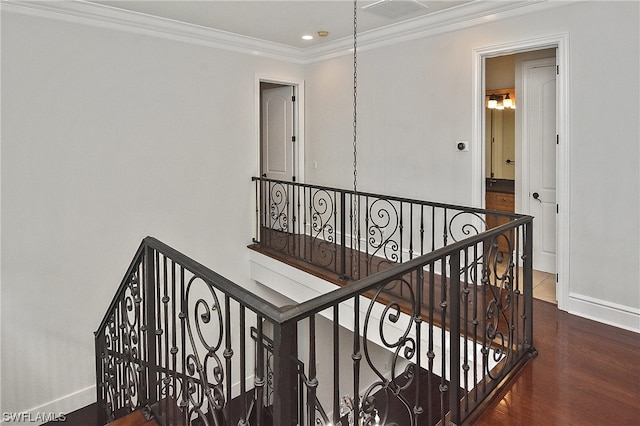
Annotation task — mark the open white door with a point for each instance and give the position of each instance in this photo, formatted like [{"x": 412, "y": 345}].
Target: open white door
[
  {"x": 539, "y": 137},
  {"x": 277, "y": 149}
]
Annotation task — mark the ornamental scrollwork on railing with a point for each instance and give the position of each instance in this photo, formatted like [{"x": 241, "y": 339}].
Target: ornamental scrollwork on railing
[
  {"x": 463, "y": 225},
  {"x": 498, "y": 280},
  {"x": 205, "y": 329},
  {"x": 121, "y": 366},
  {"x": 278, "y": 207},
  {"x": 382, "y": 222},
  {"x": 322, "y": 212},
  {"x": 403, "y": 346}
]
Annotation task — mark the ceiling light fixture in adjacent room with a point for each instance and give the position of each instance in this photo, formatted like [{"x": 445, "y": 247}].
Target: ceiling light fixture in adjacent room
[{"x": 307, "y": 37}]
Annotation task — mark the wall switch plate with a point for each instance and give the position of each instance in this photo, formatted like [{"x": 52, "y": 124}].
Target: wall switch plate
[{"x": 462, "y": 145}]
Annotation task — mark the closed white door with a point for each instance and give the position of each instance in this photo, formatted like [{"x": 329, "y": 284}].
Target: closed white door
[
  {"x": 277, "y": 133},
  {"x": 540, "y": 144}
]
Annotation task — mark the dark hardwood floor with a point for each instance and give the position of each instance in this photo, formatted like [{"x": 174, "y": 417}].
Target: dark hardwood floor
[{"x": 586, "y": 373}]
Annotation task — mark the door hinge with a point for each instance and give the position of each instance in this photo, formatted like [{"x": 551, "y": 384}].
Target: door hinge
[
  {"x": 557, "y": 139},
  {"x": 557, "y": 278},
  {"x": 557, "y": 209},
  {"x": 557, "y": 69},
  {"x": 293, "y": 138},
  {"x": 293, "y": 178},
  {"x": 293, "y": 98}
]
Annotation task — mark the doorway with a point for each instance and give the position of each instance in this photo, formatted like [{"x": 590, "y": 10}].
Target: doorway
[
  {"x": 542, "y": 195},
  {"x": 280, "y": 129}
]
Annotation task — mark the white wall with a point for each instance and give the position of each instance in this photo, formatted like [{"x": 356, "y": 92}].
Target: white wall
[
  {"x": 108, "y": 137},
  {"x": 416, "y": 98}
]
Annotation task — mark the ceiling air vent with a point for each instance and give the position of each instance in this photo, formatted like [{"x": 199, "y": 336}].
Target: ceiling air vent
[{"x": 394, "y": 9}]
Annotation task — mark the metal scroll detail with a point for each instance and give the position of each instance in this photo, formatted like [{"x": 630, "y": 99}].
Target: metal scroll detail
[
  {"x": 279, "y": 215},
  {"x": 403, "y": 346},
  {"x": 121, "y": 366},
  {"x": 205, "y": 329},
  {"x": 497, "y": 279},
  {"x": 322, "y": 212},
  {"x": 383, "y": 222}
]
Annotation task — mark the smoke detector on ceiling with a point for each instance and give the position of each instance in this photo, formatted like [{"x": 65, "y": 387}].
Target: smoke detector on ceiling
[{"x": 394, "y": 9}]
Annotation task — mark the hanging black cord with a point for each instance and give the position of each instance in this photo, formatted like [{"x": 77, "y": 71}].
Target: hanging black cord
[{"x": 355, "y": 248}]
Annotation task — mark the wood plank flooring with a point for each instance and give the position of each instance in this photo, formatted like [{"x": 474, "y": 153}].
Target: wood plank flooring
[{"x": 586, "y": 373}]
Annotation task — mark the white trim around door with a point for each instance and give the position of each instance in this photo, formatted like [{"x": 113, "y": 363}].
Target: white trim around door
[
  {"x": 561, "y": 43},
  {"x": 298, "y": 121}
]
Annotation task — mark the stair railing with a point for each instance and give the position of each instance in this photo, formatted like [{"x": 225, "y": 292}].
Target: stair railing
[{"x": 176, "y": 339}]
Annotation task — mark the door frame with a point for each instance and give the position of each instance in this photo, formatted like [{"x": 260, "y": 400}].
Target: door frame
[
  {"x": 298, "y": 122},
  {"x": 561, "y": 43}
]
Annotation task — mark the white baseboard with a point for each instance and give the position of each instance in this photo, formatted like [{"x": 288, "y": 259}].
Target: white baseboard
[
  {"x": 48, "y": 411},
  {"x": 605, "y": 312}
]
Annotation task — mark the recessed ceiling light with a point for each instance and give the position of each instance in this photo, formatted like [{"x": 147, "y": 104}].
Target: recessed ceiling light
[{"x": 307, "y": 37}]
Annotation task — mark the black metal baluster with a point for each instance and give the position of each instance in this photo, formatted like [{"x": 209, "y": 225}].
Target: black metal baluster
[
  {"x": 304, "y": 212},
  {"x": 336, "y": 364},
  {"x": 478, "y": 290},
  {"x": 174, "y": 342},
  {"x": 257, "y": 184},
  {"x": 270, "y": 225},
  {"x": 165, "y": 331},
  {"x": 243, "y": 368},
  {"x": 443, "y": 340},
  {"x": 259, "y": 380},
  {"x": 431, "y": 354},
  {"x": 433, "y": 228},
  {"x": 465, "y": 306},
  {"x": 516, "y": 283},
  {"x": 150, "y": 281},
  {"x": 356, "y": 357},
  {"x": 300, "y": 236},
  {"x": 99, "y": 341},
  {"x": 228, "y": 354},
  {"x": 311, "y": 244},
  {"x": 292, "y": 225},
  {"x": 418, "y": 409},
  {"x": 454, "y": 337},
  {"x": 343, "y": 236},
  {"x": 312, "y": 383},
  {"x": 367, "y": 260},
  {"x": 410, "y": 231},
  {"x": 421, "y": 229},
  {"x": 444, "y": 228},
  {"x": 183, "y": 345},
  {"x": 401, "y": 229},
  {"x": 335, "y": 230},
  {"x": 528, "y": 287}
]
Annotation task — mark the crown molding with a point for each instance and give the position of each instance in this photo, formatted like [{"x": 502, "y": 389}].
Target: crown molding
[
  {"x": 99, "y": 15},
  {"x": 464, "y": 16}
]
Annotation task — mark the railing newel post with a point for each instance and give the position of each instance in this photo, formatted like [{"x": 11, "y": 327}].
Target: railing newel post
[
  {"x": 285, "y": 380},
  {"x": 100, "y": 405},
  {"x": 528, "y": 286}
]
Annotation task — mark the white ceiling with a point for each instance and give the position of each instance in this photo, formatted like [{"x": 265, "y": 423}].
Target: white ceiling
[{"x": 285, "y": 22}]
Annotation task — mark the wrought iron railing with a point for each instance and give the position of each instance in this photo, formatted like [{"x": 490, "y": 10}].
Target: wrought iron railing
[
  {"x": 319, "y": 225},
  {"x": 455, "y": 323}
]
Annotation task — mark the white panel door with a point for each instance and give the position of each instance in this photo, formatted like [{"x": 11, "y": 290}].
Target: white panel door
[
  {"x": 540, "y": 132},
  {"x": 277, "y": 133}
]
